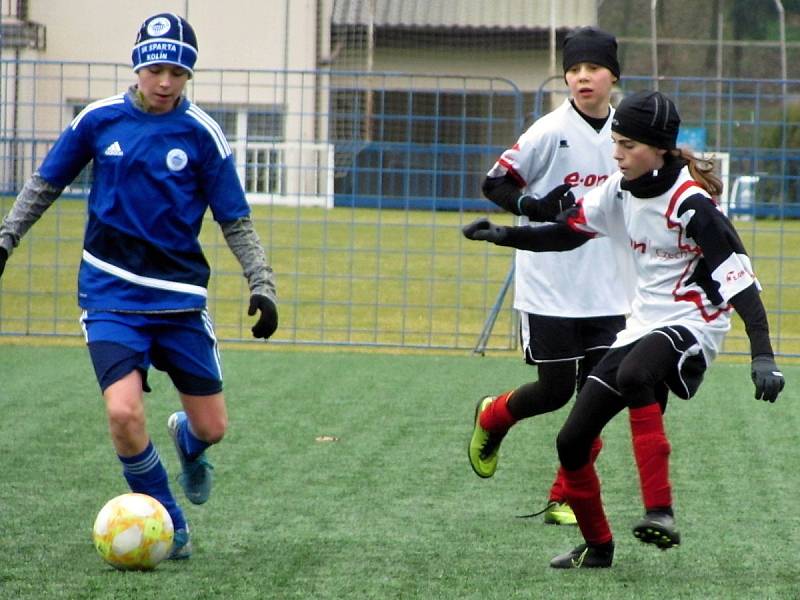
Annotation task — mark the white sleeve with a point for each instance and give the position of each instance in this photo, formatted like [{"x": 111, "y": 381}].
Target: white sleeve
[{"x": 528, "y": 159}]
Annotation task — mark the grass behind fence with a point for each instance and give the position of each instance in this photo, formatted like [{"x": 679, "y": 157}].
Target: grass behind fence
[
  {"x": 398, "y": 278},
  {"x": 391, "y": 509},
  {"x": 359, "y": 276}
]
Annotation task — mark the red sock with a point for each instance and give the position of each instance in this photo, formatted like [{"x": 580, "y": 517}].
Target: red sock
[
  {"x": 557, "y": 489},
  {"x": 497, "y": 418},
  {"x": 651, "y": 449},
  {"x": 582, "y": 488}
]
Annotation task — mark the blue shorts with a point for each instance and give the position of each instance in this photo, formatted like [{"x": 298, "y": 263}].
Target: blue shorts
[{"x": 181, "y": 344}]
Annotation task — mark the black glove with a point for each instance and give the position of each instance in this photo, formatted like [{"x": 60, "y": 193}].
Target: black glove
[
  {"x": 3, "y": 259},
  {"x": 268, "y": 321},
  {"x": 549, "y": 206},
  {"x": 767, "y": 378},
  {"x": 483, "y": 229}
]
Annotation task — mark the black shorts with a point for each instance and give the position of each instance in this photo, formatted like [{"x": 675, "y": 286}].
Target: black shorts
[
  {"x": 682, "y": 378},
  {"x": 551, "y": 339}
]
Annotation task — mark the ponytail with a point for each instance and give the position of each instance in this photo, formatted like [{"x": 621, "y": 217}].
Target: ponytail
[{"x": 701, "y": 170}]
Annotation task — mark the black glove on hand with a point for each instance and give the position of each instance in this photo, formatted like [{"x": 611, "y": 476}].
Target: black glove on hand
[
  {"x": 483, "y": 229},
  {"x": 767, "y": 377},
  {"x": 3, "y": 259},
  {"x": 268, "y": 321},
  {"x": 549, "y": 206}
]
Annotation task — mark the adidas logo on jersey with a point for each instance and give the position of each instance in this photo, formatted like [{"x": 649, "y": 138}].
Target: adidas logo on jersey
[
  {"x": 114, "y": 150},
  {"x": 563, "y": 144}
]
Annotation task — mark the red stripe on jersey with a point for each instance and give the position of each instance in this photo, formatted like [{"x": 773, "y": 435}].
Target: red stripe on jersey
[
  {"x": 512, "y": 172},
  {"x": 692, "y": 295},
  {"x": 576, "y": 219},
  {"x": 671, "y": 209}
]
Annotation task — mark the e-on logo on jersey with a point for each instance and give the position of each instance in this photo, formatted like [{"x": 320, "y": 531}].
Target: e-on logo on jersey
[
  {"x": 589, "y": 180},
  {"x": 176, "y": 159}
]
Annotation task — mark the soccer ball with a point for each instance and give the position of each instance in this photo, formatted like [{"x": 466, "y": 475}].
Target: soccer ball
[{"x": 133, "y": 532}]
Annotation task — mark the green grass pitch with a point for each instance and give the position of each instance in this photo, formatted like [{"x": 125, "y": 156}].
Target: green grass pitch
[{"x": 391, "y": 509}]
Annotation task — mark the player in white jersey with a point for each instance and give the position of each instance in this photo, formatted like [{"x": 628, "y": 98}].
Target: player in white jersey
[
  {"x": 692, "y": 271},
  {"x": 563, "y": 333},
  {"x": 159, "y": 164}
]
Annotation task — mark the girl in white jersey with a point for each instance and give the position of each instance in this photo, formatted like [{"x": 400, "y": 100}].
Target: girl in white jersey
[
  {"x": 564, "y": 334},
  {"x": 692, "y": 271}
]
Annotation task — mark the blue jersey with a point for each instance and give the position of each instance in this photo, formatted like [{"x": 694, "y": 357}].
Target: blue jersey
[{"x": 154, "y": 176}]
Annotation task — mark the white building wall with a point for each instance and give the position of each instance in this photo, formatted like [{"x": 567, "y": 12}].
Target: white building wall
[
  {"x": 236, "y": 38},
  {"x": 240, "y": 34}
]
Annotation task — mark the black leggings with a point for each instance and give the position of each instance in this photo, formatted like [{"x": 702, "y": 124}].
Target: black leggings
[
  {"x": 639, "y": 382},
  {"x": 552, "y": 390}
]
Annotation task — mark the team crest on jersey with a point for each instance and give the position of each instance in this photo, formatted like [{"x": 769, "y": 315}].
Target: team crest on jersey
[{"x": 176, "y": 159}]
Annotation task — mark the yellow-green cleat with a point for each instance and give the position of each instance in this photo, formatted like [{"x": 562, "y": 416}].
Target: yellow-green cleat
[
  {"x": 484, "y": 445},
  {"x": 559, "y": 513}
]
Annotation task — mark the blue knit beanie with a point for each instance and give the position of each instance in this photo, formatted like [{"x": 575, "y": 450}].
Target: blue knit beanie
[{"x": 165, "y": 38}]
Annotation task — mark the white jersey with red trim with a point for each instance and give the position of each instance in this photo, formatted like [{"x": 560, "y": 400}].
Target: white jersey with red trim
[
  {"x": 678, "y": 282},
  {"x": 561, "y": 147}
]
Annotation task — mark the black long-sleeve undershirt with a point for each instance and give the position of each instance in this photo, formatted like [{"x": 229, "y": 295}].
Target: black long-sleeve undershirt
[
  {"x": 504, "y": 192},
  {"x": 750, "y": 308},
  {"x": 718, "y": 239},
  {"x": 553, "y": 237}
]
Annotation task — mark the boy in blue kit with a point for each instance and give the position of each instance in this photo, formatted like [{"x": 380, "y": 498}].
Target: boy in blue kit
[{"x": 159, "y": 163}]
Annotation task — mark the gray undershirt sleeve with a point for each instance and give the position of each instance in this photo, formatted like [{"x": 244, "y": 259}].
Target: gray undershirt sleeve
[
  {"x": 35, "y": 197},
  {"x": 243, "y": 241}
]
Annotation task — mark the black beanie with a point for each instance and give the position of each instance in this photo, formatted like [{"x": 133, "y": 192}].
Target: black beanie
[
  {"x": 592, "y": 45},
  {"x": 648, "y": 117}
]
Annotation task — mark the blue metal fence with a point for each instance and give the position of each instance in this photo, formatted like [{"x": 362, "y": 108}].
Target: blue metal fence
[{"x": 359, "y": 184}]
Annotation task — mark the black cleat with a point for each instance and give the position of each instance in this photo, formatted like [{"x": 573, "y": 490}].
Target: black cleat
[
  {"x": 585, "y": 557},
  {"x": 658, "y": 527}
]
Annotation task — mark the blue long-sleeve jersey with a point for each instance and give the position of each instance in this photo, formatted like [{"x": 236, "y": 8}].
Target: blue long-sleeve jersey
[{"x": 154, "y": 176}]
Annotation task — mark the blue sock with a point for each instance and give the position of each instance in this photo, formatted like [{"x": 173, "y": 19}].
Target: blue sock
[
  {"x": 145, "y": 474},
  {"x": 191, "y": 445}
]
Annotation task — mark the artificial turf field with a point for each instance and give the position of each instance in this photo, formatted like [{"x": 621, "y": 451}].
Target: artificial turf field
[{"x": 391, "y": 509}]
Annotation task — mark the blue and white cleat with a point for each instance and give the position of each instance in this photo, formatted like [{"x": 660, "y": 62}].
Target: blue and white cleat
[
  {"x": 195, "y": 477},
  {"x": 181, "y": 545}
]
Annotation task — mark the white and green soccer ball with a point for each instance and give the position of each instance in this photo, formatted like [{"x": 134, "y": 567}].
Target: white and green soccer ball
[{"x": 133, "y": 532}]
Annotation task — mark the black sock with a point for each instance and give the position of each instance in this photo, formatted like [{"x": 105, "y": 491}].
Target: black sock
[
  {"x": 662, "y": 510},
  {"x": 604, "y": 548}
]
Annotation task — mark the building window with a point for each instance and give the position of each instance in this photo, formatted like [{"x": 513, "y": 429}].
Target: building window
[{"x": 256, "y": 135}]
